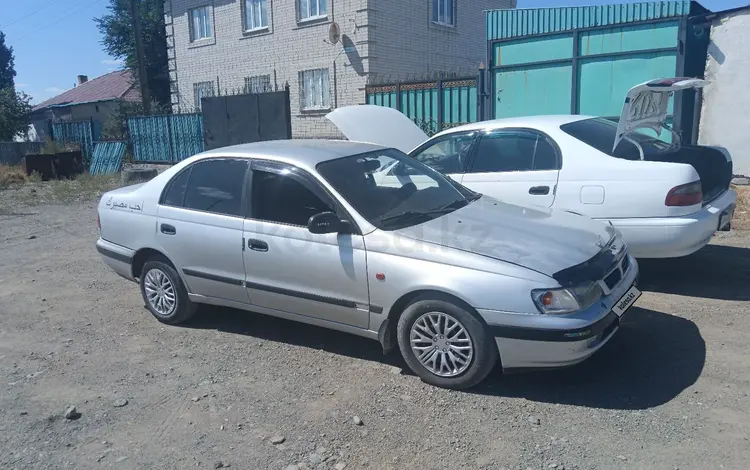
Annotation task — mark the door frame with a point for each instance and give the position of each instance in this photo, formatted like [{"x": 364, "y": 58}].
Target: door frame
[
  {"x": 312, "y": 183},
  {"x": 482, "y": 134}
]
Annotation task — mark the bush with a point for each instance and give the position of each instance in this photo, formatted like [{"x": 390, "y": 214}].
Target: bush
[{"x": 11, "y": 175}]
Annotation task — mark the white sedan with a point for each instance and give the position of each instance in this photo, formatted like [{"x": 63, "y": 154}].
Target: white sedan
[{"x": 666, "y": 199}]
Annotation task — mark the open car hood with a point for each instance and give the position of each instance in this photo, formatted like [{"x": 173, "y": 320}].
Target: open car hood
[
  {"x": 378, "y": 125},
  {"x": 646, "y": 104}
]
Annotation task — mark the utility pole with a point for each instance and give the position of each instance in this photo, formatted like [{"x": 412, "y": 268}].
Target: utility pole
[{"x": 142, "y": 78}]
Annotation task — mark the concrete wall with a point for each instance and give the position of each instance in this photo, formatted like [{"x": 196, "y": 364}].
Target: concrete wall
[
  {"x": 394, "y": 37},
  {"x": 726, "y": 101}
]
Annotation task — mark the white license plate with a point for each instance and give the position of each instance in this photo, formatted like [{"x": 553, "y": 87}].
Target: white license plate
[
  {"x": 626, "y": 301},
  {"x": 726, "y": 218}
]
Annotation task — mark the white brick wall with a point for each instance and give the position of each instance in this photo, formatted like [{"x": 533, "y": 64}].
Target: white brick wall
[{"x": 394, "y": 37}]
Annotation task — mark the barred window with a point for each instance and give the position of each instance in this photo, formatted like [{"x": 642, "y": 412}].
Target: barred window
[
  {"x": 314, "y": 89},
  {"x": 202, "y": 90},
  {"x": 258, "y": 84}
]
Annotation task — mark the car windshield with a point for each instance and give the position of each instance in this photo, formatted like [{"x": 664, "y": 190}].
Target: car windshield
[
  {"x": 393, "y": 191},
  {"x": 600, "y": 133}
]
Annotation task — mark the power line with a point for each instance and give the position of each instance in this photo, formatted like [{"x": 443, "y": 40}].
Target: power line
[
  {"x": 59, "y": 19},
  {"x": 49, "y": 3}
]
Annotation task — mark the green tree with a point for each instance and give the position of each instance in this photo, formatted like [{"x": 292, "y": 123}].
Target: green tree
[
  {"x": 118, "y": 40},
  {"x": 7, "y": 70},
  {"x": 15, "y": 109}
]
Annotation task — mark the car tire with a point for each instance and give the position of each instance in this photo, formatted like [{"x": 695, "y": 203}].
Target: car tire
[
  {"x": 160, "y": 278},
  {"x": 425, "y": 311}
]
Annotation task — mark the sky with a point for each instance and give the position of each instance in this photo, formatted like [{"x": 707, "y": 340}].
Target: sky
[{"x": 56, "y": 40}]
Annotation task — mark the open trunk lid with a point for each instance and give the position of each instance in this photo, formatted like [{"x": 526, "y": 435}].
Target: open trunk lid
[
  {"x": 645, "y": 105},
  {"x": 378, "y": 125}
]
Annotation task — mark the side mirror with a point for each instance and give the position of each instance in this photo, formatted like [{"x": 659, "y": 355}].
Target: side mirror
[{"x": 325, "y": 222}]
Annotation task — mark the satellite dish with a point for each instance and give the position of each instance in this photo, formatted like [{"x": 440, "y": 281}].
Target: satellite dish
[{"x": 334, "y": 33}]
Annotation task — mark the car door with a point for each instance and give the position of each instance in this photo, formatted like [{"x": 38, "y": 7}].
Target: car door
[
  {"x": 200, "y": 223},
  {"x": 520, "y": 166},
  {"x": 447, "y": 154},
  {"x": 290, "y": 269}
]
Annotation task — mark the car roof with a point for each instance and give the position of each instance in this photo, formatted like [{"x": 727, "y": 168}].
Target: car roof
[
  {"x": 538, "y": 122},
  {"x": 304, "y": 152}
]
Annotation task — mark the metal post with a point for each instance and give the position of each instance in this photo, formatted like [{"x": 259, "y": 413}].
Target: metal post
[
  {"x": 481, "y": 95},
  {"x": 574, "y": 105},
  {"x": 288, "y": 111},
  {"x": 440, "y": 104},
  {"x": 398, "y": 95},
  {"x": 169, "y": 136}
]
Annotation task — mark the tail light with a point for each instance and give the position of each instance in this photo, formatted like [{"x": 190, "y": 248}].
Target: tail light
[{"x": 685, "y": 195}]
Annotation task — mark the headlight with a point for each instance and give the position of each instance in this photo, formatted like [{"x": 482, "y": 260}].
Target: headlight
[{"x": 566, "y": 300}]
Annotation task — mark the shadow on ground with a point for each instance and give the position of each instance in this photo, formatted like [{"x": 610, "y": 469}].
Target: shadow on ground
[
  {"x": 652, "y": 359},
  {"x": 714, "y": 272}
]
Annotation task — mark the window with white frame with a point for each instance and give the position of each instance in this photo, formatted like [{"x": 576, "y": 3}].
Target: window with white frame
[
  {"x": 312, "y": 9},
  {"x": 314, "y": 89},
  {"x": 256, "y": 14},
  {"x": 200, "y": 23},
  {"x": 258, "y": 84},
  {"x": 202, "y": 90},
  {"x": 444, "y": 12}
]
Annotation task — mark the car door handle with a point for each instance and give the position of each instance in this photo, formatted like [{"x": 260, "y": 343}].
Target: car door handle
[
  {"x": 168, "y": 229},
  {"x": 539, "y": 190},
  {"x": 257, "y": 245}
]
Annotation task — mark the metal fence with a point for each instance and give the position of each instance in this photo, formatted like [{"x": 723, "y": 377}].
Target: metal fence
[
  {"x": 11, "y": 153},
  {"x": 167, "y": 138},
  {"x": 107, "y": 157},
  {"x": 434, "y": 105},
  {"x": 77, "y": 132}
]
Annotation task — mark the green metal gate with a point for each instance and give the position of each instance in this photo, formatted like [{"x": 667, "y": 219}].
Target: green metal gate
[{"x": 583, "y": 60}]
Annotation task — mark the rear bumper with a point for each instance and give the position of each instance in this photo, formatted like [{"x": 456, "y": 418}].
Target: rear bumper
[
  {"x": 671, "y": 237},
  {"x": 117, "y": 257},
  {"x": 534, "y": 341}
]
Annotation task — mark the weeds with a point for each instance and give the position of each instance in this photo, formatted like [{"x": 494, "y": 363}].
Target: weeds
[{"x": 11, "y": 175}]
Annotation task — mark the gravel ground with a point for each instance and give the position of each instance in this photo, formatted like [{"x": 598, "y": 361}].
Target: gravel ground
[{"x": 253, "y": 392}]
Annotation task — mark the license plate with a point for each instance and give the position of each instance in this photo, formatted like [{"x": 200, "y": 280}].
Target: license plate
[
  {"x": 626, "y": 301},
  {"x": 726, "y": 217}
]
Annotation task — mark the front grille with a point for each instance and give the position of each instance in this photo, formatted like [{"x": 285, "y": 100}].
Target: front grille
[{"x": 614, "y": 278}]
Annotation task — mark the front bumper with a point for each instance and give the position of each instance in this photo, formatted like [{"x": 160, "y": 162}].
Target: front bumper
[{"x": 531, "y": 341}]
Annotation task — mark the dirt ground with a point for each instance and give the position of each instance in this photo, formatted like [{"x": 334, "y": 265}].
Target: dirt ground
[{"x": 670, "y": 391}]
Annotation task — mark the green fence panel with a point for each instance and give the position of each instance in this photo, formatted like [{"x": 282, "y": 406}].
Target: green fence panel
[
  {"x": 421, "y": 101},
  {"x": 107, "y": 157},
  {"x": 76, "y": 132}
]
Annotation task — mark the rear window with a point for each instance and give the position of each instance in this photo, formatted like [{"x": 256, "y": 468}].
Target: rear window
[{"x": 600, "y": 133}]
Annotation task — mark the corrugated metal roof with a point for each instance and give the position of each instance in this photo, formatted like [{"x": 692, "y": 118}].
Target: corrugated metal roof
[{"x": 503, "y": 24}]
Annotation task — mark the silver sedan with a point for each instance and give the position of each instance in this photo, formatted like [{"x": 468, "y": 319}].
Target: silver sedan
[{"x": 317, "y": 232}]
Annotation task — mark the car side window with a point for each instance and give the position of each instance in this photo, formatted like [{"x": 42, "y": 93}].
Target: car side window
[
  {"x": 447, "y": 154},
  {"x": 514, "y": 150},
  {"x": 175, "y": 195},
  {"x": 282, "y": 196},
  {"x": 216, "y": 186}
]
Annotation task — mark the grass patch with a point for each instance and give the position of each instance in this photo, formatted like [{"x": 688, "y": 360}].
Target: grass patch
[
  {"x": 11, "y": 176},
  {"x": 742, "y": 213},
  {"x": 30, "y": 191}
]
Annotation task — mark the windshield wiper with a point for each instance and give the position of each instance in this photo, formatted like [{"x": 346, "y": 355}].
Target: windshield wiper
[
  {"x": 404, "y": 216},
  {"x": 410, "y": 215}
]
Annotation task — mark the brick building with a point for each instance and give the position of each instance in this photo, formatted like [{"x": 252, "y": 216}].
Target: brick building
[{"x": 223, "y": 45}]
